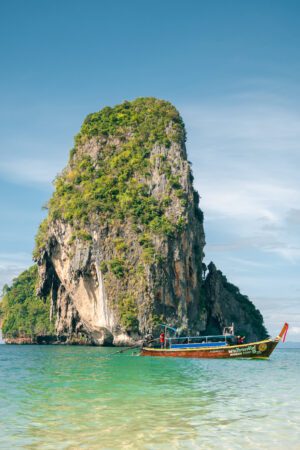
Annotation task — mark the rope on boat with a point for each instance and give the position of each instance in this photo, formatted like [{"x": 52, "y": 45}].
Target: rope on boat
[
  {"x": 125, "y": 350},
  {"x": 120, "y": 351}
]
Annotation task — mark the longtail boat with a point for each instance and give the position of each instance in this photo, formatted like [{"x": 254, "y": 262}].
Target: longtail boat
[{"x": 215, "y": 347}]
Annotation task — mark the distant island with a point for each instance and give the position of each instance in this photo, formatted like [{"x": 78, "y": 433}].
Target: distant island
[{"x": 121, "y": 249}]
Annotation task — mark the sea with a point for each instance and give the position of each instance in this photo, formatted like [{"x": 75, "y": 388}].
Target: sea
[{"x": 65, "y": 397}]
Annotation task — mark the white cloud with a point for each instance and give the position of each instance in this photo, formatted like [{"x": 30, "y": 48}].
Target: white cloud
[
  {"x": 259, "y": 122},
  {"x": 277, "y": 310},
  {"x": 29, "y": 170},
  {"x": 294, "y": 330},
  {"x": 246, "y": 153},
  {"x": 11, "y": 265},
  {"x": 246, "y": 199}
]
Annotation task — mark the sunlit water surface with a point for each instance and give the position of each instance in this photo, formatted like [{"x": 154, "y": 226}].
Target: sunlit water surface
[{"x": 75, "y": 398}]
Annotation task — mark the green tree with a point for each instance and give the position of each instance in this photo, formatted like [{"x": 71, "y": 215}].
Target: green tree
[{"x": 22, "y": 312}]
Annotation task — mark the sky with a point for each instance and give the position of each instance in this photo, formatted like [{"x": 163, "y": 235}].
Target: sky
[{"x": 231, "y": 68}]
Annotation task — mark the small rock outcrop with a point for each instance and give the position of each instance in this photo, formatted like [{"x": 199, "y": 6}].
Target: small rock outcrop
[{"x": 226, "y": 305}]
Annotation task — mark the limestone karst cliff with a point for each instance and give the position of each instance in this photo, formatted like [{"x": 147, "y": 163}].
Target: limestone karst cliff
[{"x": 121, "y": 249}]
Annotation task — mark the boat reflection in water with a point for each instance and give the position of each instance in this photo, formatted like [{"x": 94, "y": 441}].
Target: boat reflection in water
[{"x": 222, "y": 346}]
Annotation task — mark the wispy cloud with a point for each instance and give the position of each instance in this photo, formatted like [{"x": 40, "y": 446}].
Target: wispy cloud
[
  {"x": 33, "y": 147},
  {"x": 261, "y": 122},
  {"x": 246, "y": 154},
  {"x": 277, "y": 310},
  {"x": 29, "y": 170},
  {"x": 11, "y": 265},
  {"x": 295, "y": 330}
]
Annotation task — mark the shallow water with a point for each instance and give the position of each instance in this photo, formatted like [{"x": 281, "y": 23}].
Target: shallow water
[{"x": 74, "y": 398}]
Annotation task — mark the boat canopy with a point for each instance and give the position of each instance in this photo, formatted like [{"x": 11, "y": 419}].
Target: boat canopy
[
  {"x": 168, "y": 327},
  {"x": 200, "y": 341},
  {"x": 214, "y": 337}
]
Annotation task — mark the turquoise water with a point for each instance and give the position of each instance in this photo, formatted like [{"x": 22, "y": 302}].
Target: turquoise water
[{"x": 73, "y": 398}]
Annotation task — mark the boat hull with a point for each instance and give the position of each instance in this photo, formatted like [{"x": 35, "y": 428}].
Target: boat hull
[{"x": 261, "y": 349}]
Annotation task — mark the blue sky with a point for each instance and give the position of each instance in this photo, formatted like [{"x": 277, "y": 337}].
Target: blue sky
[{"x": 232, "y": 69}]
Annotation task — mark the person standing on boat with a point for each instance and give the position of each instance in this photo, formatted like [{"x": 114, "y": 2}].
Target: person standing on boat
[
  {"x": 162, "y": 339},
  {"x": 240, "y": 339}
]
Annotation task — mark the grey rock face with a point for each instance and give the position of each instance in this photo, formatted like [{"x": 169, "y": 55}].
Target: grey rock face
[{"x": 226, "y": 305}]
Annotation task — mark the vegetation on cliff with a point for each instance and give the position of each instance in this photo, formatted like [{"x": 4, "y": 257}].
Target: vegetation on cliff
[{"x": 23, "y": 314}]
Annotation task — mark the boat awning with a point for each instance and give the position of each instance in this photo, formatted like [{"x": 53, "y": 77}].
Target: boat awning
[
  {"x": 214, "y": 337},
  {"x": 167, "y": 326},
  {"x": 205, "y": 344}
]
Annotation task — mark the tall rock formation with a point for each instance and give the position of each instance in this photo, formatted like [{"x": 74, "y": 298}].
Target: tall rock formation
[{"x": 122, "y": 247}]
